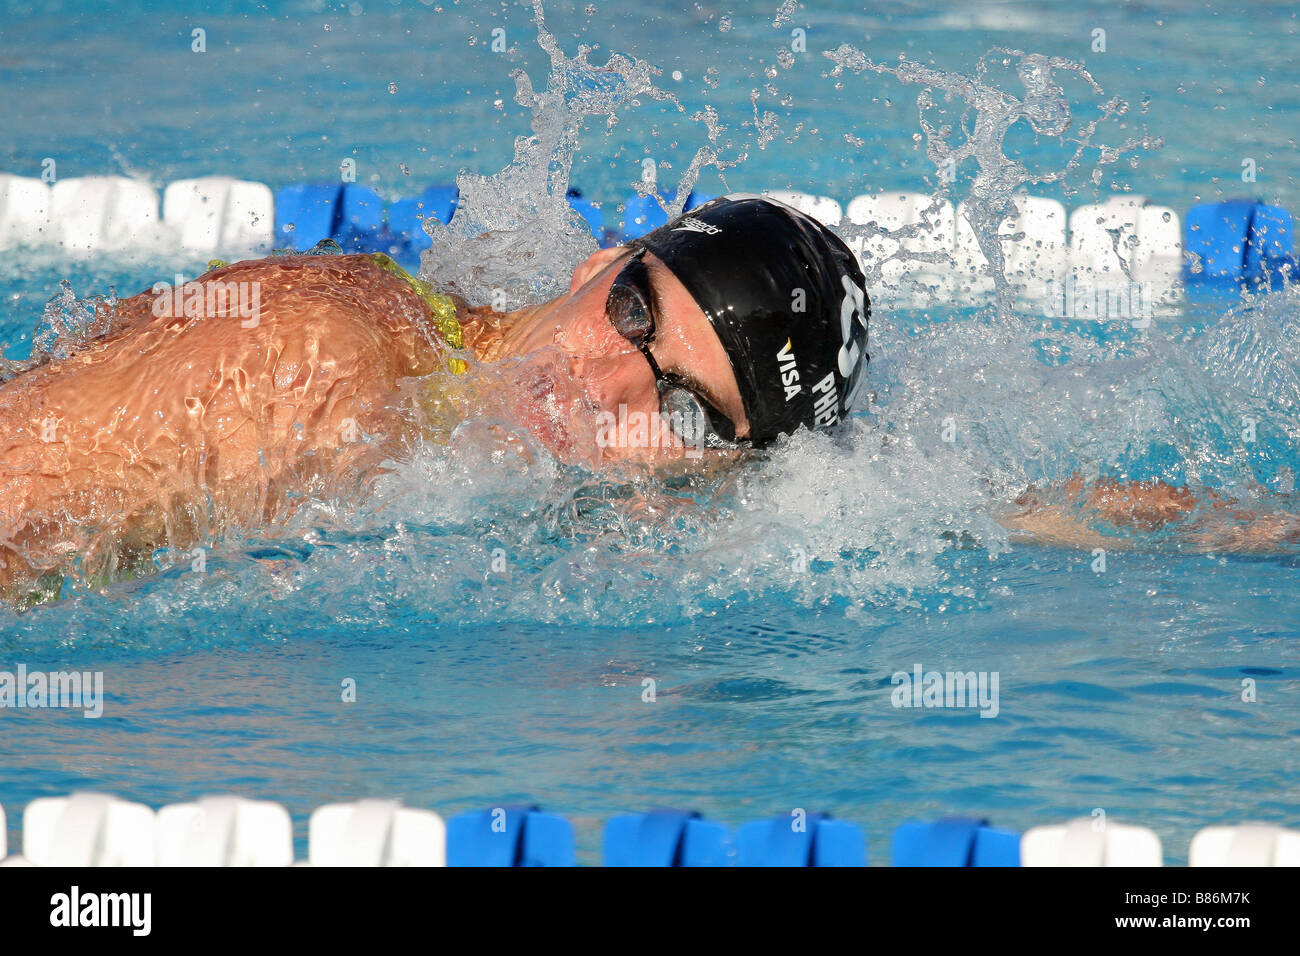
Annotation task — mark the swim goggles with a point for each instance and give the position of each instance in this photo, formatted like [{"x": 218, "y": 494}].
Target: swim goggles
[{"x": 688, "y": 413}]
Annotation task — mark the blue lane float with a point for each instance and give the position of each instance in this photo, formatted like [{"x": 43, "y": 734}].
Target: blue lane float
[
  {"x": 666, "y": 838},
  {"x": 305, "y": 214},
  {"x": 814, "y": 840},
  {"x": 1270, "y": 243},
  {"x": 359, "y": 220},
  {"x": 510, "y": 836},
  {"x": 954, "y": 841},
  {"x": 697, "y": 199},
  {"x": 1240, "y": 240},
  {"x": 354, "y": 216},
  {"x": 591, "y": 214},
  {"x": 406, "y": 218},
  {"x": 643, "y": 214}
]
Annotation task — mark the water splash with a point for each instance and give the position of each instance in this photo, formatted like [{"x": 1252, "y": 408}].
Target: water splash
[
  {"x": 68, "y": 324},
  {"x": 979, "y": 134},
  {"x": 514, "y": 238}
]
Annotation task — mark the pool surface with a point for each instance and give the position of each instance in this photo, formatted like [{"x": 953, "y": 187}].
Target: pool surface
[{"x": 532, "y": 633}]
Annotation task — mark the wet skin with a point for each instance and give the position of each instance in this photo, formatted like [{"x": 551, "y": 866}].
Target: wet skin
[
  {"x": 168, "y": 430},
  {"x": 167, "y": 422},
  {"x": 1072, "y": 514},
  {"x": 611, "y": 371}
]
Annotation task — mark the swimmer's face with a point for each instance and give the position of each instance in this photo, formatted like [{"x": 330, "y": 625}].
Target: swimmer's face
[{"x": 616, "y": 377}]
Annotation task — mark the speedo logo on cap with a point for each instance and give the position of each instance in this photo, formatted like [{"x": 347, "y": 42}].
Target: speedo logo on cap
[
  {"x": 691, "y": 224},
  {"x": 789, "y": 369}
]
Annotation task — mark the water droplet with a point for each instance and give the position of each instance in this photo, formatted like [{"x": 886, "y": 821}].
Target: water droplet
[
  {"x": 392, "y": 87},
  {"x": 725, "y": 24}
]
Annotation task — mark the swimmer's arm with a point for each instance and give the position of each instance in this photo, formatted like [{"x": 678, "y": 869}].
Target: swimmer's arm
[{"x": 1067, "y": 516}]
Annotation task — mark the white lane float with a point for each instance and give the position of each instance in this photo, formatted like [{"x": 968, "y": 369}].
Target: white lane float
[
  {"x": 376, "y": 833},
  {"x": 220, "y": 214},
  {"x": 88, "y": 829},
  {"x": 1250, "y": 844},
  {"x": 224, "y": 831},
  {"x": 822, "y": 208},
  {"x": 103, "y": 214},
  {"x": 24, "y": 211},
  {"x": 1089, "y": 841}
]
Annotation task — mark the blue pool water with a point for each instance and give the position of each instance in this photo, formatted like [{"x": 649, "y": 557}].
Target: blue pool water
[{"x": 771, "y": 609}]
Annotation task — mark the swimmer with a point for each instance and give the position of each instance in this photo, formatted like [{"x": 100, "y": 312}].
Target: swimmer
[{"x": 187, "y": 415}]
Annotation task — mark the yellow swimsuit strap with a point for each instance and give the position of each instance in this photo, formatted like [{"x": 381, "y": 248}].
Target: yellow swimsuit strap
[{"x": 441, "y": 307}]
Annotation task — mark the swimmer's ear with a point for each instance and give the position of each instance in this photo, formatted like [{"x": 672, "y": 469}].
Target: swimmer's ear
[{"x": 593, "y": 264}]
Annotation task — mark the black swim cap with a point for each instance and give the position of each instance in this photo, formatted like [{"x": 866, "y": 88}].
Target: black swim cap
[{"x": 787, "y": 299}]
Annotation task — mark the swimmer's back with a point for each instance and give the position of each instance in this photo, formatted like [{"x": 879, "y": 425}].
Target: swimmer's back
[{"x": 143, "y": 435}]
